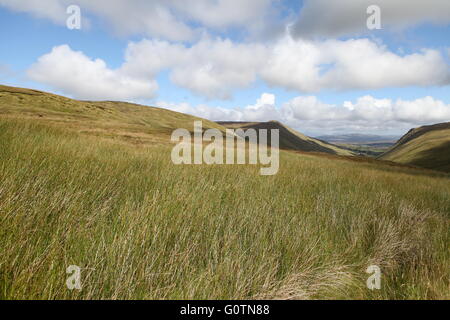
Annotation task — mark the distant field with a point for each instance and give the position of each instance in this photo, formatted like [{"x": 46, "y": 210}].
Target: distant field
[
  {"x": 141, "y": 227},
  {"x": 369, "y": 149}
]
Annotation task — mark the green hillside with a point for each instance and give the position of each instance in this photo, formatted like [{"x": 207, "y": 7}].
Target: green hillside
[
  {"x": 115, "y": 120},
  {"x": 130, "y": 122},
  {"x": 290, "y": 139},
  {"x": 427, "y": 147},
  {"x": 141, "y": 227}
]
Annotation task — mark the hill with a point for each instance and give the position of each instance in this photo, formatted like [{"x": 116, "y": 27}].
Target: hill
[
  {"x": 131, "y": 122},
  {"x": 290, "y": 139},
  {"x": 114, "y": 120},
  {"x": 141, "y": 227},
  {"x": 427, "y": 147}
]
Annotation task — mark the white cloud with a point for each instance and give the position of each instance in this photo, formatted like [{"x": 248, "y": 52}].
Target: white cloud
[
  {"x": 77, "y": 75},
  {"x": 266, "y": 99},
  {"x": 368, "y": 108},
  {"x": 367, "y": 114},
  {"x": 167, "y": 19},
  {"x": 308, "y": 114},
  {"x": 309, "y": 66},
  {"x": 332, "y": 18},
  {"x": 263, "y": 110},
  {"x": 214, "y": 68}
]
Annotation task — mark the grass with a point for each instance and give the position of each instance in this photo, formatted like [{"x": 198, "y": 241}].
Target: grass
[
  {"x": 143, "y": 228},
  {"x": 128, "y": 122},
  {"x": 290, "y": 139},
  {"x": 125, "y": 122},
  {"x": 427, "y": 147}
]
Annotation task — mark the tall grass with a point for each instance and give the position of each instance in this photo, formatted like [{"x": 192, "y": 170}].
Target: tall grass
[{"x": 143, "y": 228}]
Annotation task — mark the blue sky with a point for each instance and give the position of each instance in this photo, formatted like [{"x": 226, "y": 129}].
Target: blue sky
[{"x": 182, "y": 61}]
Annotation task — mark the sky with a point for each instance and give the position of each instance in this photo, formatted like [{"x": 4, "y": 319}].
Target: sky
[{"x": 314, "y": 65}]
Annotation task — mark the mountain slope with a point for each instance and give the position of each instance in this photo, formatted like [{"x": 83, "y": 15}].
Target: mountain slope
[
  {"x": 117, "y": 120},
  {"x": 427, "y": 147},
  {"x": 290, "y": 139}
]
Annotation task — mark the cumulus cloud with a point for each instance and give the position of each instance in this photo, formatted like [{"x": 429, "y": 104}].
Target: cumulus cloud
[
  {"x": 366, "y": 114},
  {"x": 263, "y": 110},
  {"x": 167, "y": 19},
  {"x": 77, "y": 75},
  {"x": 308, "y": 114},
  {"x": 368, "y": 108},
  {"x": 309, "y": 66},
  {"x": 333, "y": 18},
  {"x": 214, "y": 68}
]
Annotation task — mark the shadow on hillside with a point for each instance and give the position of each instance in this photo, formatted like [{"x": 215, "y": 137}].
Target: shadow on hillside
[{"x": 384, "y": 165}]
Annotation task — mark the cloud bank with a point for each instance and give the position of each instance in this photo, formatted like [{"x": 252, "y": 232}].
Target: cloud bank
[
  {"x": 186, "y": 20},
  {"x": 308, "y": 114},
  {"x": 167, "y": 19},
  {"x": 213, "y": 68}
]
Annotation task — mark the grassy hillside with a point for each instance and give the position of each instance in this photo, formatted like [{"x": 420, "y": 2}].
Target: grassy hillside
[
  {"x": 128, "y": 122},
  {"x": 427, "y": 146},
  {"x": 141, "y": 227},
  {"x": 114, "y": 120},
  {"x": 289, "y": 138},
  {"x": 92, "y": 184}
]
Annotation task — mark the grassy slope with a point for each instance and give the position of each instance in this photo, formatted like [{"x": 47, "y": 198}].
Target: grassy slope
[
  {"x": 141, "y": 227},
  {"x": 427, "y": 147},
  {"x": 128, "y": 122},
  {"x": 290, "y": 139},
  {"x": 116, "y": 120}
]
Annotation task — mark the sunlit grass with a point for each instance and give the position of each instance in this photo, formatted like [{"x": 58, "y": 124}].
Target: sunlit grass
[
  {"x": 143, "y": 228},
  {"x": 429, "y": 150}
]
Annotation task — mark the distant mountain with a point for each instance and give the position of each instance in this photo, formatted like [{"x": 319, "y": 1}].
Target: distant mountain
[
  {"x": 427, "y": 146},
  {"x": 357, "y": 138},
  {"x": 290, "y": 139}
]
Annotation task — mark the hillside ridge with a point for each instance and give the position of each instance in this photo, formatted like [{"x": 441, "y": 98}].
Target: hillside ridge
[
  {"x": 132, "y": 122},
  {"x": 426, "y": 146},
  {"x": 290, "y": 139}
]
